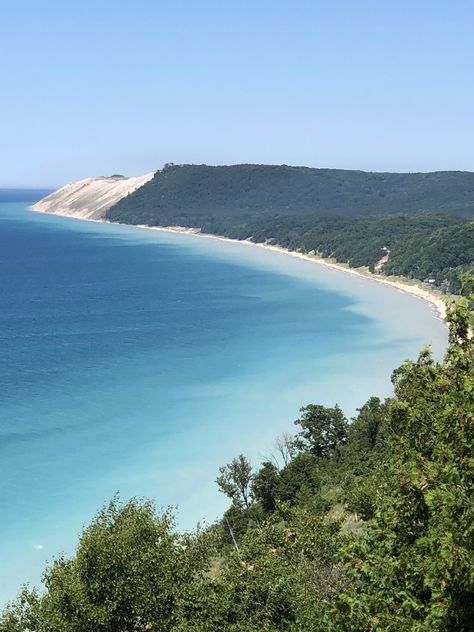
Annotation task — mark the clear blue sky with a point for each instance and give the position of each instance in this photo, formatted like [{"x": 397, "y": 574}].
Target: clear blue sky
[{"x": 90, "y": 88}]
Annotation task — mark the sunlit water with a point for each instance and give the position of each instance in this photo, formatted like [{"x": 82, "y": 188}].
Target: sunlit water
[{"x": 138, "y": 362}]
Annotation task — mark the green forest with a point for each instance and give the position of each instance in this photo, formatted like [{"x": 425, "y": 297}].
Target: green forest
[
  {"x": 424, "y": 221},
  {"x": 361, "y": 525}
]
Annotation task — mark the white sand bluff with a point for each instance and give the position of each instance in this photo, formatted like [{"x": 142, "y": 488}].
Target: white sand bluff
[{"x": 90, "y": 198}]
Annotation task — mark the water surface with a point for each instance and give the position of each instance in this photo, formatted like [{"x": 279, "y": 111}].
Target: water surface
[{"x": 138, "y": 361}]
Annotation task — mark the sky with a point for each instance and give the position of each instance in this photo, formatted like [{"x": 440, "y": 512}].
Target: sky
[{"x": 96, "y": 87}]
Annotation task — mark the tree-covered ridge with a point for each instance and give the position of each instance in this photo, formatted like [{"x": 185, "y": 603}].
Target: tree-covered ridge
[
  {"x": 422, "y": 220},
  {"x": 419, "y": 246},
  {"x": 191, "y": 194},
  {"x": 348, "y": 527}
]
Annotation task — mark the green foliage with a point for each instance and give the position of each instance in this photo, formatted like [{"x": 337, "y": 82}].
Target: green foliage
[
  {"x": 195, "y": 194},
  {"x": 351, "y": 216},
  {"x": 365, "y": 436},
  {"x": 420, "y": 246},
  {"x": 265, "y": 487},
  {"x": 131, "y": 571},
  {"x": 324, "y": 430},
  {"x": 235, "y": 481},
  {"x": 365, "y": 448},
  {"x": 237, "y": 521},
  {"x": 283, "y": 572},
  {"x": 300, "y": 480},
  {"x": 414, "y": 570}
]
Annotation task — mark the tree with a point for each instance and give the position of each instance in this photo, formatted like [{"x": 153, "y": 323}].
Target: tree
[
  {"x": 284, "y": 450},
  {"x": 300, "y": 480},
  {"x": 324, "y": 430},
  {"x": 265, "y": 485},
  {"x": 364, "y": 450},
  {"x": 282, "y": 574},
  {"x": 131, "y": 571},
  {"x": 414, "y": 570},
  {"x": 235, "y": 481}
]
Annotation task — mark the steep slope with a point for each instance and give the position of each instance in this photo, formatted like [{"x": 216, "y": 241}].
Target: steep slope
[
  {"x": 198, "y": 195},
  {"x": 90, "y": 198}
]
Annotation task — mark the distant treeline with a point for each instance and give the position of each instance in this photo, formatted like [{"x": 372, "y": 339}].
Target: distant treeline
[
  {"x": 199, "y": 192},
  {"x": 423, "y": 219}
]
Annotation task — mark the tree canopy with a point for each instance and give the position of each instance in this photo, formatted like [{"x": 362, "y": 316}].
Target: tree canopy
[{"x": 415, "y": 225}]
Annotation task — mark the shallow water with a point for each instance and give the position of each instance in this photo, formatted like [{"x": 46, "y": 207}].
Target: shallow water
[{"x": 138, "y": 361}]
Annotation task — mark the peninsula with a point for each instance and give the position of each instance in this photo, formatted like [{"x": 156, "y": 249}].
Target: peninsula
[{"x": 414, "y": 231}]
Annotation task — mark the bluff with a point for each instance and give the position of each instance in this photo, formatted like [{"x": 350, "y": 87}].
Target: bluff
[
  {"x": 194, "y": 195},
  {"x": 90, "y": 198}
]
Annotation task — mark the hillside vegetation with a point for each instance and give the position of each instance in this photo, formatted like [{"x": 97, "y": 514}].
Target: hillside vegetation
[
  {"x": 423, "y": 219},
  {"x": 199, "y": 192},
  {"x": 358, "y": 527}
]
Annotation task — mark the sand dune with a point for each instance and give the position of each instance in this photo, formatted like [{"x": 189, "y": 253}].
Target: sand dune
[{"x": 90, "y": 198}]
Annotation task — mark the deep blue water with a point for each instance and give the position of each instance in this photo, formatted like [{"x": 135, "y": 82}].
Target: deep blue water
[{"x": 138, "y": 362}]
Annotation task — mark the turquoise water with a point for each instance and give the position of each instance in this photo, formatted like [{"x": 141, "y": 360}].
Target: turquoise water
[{"x": 138, "y": 361}]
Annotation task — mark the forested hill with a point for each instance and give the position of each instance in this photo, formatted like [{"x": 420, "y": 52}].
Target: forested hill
[
  {"x": 422, "y": 221},
  {"x": 194, "y": 194}
]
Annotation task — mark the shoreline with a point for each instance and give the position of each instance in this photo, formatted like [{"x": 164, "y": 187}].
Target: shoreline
[
  {"x": 437, "y": 301},
  {"x": 414, "y": 289}
]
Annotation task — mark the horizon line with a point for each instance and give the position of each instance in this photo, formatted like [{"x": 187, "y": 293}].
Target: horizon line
[{"x": 50, "y": 187}]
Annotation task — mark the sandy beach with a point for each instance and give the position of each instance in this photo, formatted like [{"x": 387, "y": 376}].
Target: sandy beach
[
  {"x": 406, "y": 286},
  {"x": 413, "y": 288}
]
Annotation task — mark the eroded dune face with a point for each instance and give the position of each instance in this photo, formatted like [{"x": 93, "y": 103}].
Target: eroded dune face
[{"x": 90, "y": 198}]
